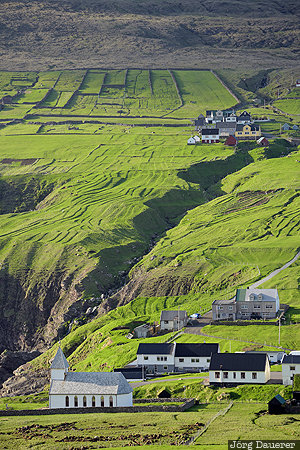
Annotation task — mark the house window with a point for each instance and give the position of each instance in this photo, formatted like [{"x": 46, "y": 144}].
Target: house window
[
  {"x": 111, "y": 402},
  {"x": 240, "y": 132},
  {"x": 269, "y": 306},
  {"x": 230, "y": 308},
  {"x": 208, "y": 360},
  {"x": 93, "y": 402},
  {"x": 102, "y": 401},
  {"x": 243, "y": 375},
  {"x": 244, "y": 306},
  {"x": 217, "y": 374},
  {"x": 165, "y": 358},
  {"x": 254, "y": 376},
  {"x": 292, "y": 367},
  {"x": 84, "y": 401},
  {"x": 225, "y": 374},
  {"x": 256, "y": 306},
  {"x": 166, "y": 321},
  {"x": 246, "y": 132},
  {"x": 181, "y": 359},
  {"x": 193, "y": 360},
  {"x": 165, "y": 367},
  {"x": 67, "y": 401},
  {"x": 220, "y": 307},
  {"x": 158, "y": 358},
  {"x": 146, "y": 358},
  {"x": 234, "y": 375},
  {"x": 197, "y": 359},
  {"x": 76, "y": 401}
]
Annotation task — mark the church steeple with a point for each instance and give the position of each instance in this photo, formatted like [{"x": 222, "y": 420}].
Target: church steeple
[{"x": 59, "y": 366}]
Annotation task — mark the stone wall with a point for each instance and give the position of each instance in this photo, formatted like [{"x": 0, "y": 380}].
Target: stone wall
[{"x": 188, "y": 403}]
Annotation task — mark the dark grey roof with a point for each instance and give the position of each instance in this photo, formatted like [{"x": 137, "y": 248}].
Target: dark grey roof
[
  {"x": 239, "y": 127},
  {"x": 59, "y": 361},
  {"x": 227, "y": 125},
  {"x": 91, "y": 383},
  {"x": 196, "y": 349},
  {"x": 223, "y": 302},
  {"x": 133, "y": 373},
  {"x": 244, "y": 114},
  {"x": 291, "y": 359},
  {"x": 155, "y": 349},
  {"x": 210, "y": 131},
  {"x": 238, "y": 362},
  {"x": 171, "y": 315}
]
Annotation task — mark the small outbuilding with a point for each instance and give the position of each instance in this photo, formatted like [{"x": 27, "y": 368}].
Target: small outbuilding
[
  {"x": 263, "y": 142},
  {"x": 142, "y": 331},
  {"x": 231, "y": 140},
  {"x": 285, "y": 127},
  {"x": 277, "y": 405}
]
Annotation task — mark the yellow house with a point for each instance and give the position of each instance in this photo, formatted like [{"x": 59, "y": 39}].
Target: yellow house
[{"x": 247, "y": 131}]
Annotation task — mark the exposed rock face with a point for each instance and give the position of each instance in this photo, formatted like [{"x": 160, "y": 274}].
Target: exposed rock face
[
  {"x": 25, "y": 382},
  {"x": 10, "y": 361}
]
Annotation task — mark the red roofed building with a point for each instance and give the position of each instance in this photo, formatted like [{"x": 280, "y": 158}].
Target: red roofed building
[
  {"x": 263, "y": 141},
  {"x": 231, "y": 140}
]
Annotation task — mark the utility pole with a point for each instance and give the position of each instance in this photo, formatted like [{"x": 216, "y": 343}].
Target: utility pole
[{"x": 279, "y": 332}]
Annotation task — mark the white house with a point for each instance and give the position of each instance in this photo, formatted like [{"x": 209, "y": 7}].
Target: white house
[
  {"x": 210, "y": 135},
  {"x": 194, "y": 140},
  {"x": 86, "y": 389},
  {"x": 194, "y": 357},
  {"x": 239, "y": 368},
  {"x": 174, "y": 357},
  {"x": 290, "y": 367},
  {"x": 173, "y": 320}
]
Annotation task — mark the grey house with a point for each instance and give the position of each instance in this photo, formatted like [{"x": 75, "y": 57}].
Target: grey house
[
  {"x": 248, "y": 304},
  {"x": 142, "y": 331},
  {"x": 173, "y": 320},
  {"x": 226, "y": 128}
]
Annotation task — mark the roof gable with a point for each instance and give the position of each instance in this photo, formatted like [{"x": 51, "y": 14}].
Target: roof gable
[
  {"x": 196, "y": 349},
  {"x": 171, "y": 315},
  {"x": 155, "y": 349}
]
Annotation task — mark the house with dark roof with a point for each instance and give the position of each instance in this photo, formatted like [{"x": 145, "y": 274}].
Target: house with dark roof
[
  {"x": 210, "y": 135},
  {"x": 173, "y": 320},
  {"x": 175, "y": 357},
  {"x": 194, "y": 357},
  {"x": 244, "y": 118},
  {"x": 275, "y": 356},
  {"x": 200, "y": 121},
  {"x": 86, "y": 389},
  {"x": 247, "y": 131},
  {"x": 214, "y": 116},
  {"x": 238, "y": 368},
  {"x": 290, "y": 367},
  {"x": 156, "y": 357},
  {"x": 250, "y": 303}
]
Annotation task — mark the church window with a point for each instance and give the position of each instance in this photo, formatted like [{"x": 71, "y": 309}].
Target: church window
[
  {"x": 111, "y": 401},
  {"x": 102, "y": 402},
  {"x": 84, "y": 401},
  {"x": 67, "y": 402},
  {"x": 76, "y": 401},
  {"x": 93, "y": 402}
]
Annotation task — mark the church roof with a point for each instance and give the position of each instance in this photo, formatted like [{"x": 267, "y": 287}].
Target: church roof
[
  {"x": 59, "y": 361},
  {"x": 85, "y": 383}
]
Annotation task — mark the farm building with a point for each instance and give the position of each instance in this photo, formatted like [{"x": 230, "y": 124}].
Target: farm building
[
  {"x": 142, "y": 331},
  {"x": 285, "y": 127},
  {"x": 210, "y": 135},
  {"x": 174, "y": 357},
  {"x": 194, "y": 140},
  {"x": 248, "y": 304},
  {"x": 173, "y": 320},
  {"x": 200, "y": 121},
  {"x": 290, "y": 368},
  {"x": 238, "y": 368},
  {"x": 231, "y": 140},
  {"x": 263, "y": 141},
  {"x": 295, "y": 127},
  {"x": 247, "y": 131},
  {"x": 86, "y": 389}
]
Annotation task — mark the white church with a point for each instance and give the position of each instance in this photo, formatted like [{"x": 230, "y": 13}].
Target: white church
[{"x": 86, "y": 389}]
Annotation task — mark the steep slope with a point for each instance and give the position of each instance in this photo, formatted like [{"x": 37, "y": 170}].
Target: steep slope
[{"x": 53, "y": 34}]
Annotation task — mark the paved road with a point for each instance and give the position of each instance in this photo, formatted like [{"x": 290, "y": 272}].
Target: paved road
[{"x": 275, "y": 272}]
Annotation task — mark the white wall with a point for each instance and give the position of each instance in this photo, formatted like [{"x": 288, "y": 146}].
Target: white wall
[
  {"x": 152, "y": 360},
  {"x": 287, "y": 373},
  {"x": 262, "y": 377},
  {"x": 59, "y": 400},
  {"x": 58, "y": 374},
  {"x": 187, "y": 362}
]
